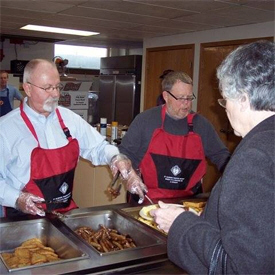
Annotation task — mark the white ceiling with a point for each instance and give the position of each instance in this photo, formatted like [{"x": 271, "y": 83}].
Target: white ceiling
[{"x": 124, "y": 23}]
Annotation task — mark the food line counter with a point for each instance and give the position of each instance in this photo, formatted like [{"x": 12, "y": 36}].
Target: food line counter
[{"x": 77, "y": 257}]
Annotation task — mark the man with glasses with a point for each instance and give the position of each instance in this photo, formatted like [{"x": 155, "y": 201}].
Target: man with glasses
[
  {"x": 169, "y": 143},
  {"x": 40, "y": 146}
]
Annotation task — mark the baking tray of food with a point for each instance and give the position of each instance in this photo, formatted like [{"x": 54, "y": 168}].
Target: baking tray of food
[
  {"x": 110, "y": 232},
  {"x": 28, "y": 244}
]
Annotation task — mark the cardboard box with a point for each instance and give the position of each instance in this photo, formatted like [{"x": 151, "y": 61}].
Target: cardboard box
[
  {"x": 74, "y": 100},
  {"x": 75, "y": 94}
]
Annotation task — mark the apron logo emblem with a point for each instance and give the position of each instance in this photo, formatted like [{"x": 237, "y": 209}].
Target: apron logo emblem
[
  {"x": 175, "y": 170},
  {"x": 63, "y": 188}
]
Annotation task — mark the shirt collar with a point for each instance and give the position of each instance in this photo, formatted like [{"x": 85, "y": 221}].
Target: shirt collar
[
  {"x": 5, "y": 89},
  {"x": 33, "y": 114}
]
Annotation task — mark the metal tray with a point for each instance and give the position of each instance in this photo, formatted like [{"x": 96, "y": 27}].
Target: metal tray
[
  {"x": 134, "y": 213},
  {"x": 142, "y": 237},
  {"x": 13, "y": 234}
]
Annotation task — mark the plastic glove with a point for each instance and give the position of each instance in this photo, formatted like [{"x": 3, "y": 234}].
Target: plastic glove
[
  {"x": 120, "y": 163},
  {"x": 134, "y": 183},
  {"x": 26, "y": 203}
]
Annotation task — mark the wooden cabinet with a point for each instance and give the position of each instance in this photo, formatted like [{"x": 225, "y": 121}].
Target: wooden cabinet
[{"x": 91, "y": 183}]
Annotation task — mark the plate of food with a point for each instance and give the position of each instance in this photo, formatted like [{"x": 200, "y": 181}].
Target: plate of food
[
  {"x": 195, "y": 207},
  {"x": 145, "y": 212}
]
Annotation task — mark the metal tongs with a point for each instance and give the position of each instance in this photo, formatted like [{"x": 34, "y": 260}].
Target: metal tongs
[
  {"x": 53, "y": 212},
  {"x": 149, "y": 199},
  {"x": 56, "y": 214},
  {"x": 115, "y": 191}
]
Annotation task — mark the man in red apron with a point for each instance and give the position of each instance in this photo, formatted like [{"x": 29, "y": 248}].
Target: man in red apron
[
  {"x": 46, "y": 142},
  {"x": 169, "y": 143},
  {"x": 173, "y": 165}
]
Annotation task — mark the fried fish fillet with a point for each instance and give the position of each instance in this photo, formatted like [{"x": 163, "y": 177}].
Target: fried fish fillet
[{"x": 31, "y": 252}]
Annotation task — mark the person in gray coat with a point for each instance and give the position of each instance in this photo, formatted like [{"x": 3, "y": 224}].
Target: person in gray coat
[{"x": 235, "y": 233}]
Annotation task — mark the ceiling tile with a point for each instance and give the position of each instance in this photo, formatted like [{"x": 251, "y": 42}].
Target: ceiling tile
[
  {"x": 189, "y": 5},
  {"x": 213, "y": 20},
  {"x": 41, "y": 6},
  {"x": 115, "y": 16},
  {"x": 250, "y": 14},
  {"x": 24, "y": 14},
  {"x": 137, "y": 8}
]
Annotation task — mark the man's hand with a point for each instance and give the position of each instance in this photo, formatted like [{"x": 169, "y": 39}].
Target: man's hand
[
  {"x": 134, "y": 183},
  {"x": 26, "y": 203}
]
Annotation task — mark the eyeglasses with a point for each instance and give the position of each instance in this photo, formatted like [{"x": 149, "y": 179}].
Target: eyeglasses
[
  {"x": 189, "y": 98},
  {"x": 49, "y": 89},
  {"x": 222, "y": 102}
]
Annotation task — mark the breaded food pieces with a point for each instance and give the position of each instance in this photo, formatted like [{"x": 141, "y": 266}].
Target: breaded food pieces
[
  {"x": 31, "y": 252},
  {"x": 38, "y": 258}
]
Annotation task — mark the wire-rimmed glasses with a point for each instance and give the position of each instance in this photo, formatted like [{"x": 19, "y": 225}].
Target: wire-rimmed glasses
[
  {"x": 222, "y": 102},
  {"x": 49, "y": 89}
]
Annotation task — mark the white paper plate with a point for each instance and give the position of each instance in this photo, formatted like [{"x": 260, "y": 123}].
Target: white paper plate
[{"x": 145, "y": 212}]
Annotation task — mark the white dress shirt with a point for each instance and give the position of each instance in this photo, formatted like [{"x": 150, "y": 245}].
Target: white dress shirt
[{"x": 17, "y": 143}]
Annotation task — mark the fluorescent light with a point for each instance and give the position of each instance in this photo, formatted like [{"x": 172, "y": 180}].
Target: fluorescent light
[{"x": 58, "y": 30}]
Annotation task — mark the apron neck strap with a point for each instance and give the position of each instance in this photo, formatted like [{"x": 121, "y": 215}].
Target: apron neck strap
[
  {"x": 63, "y": 126},
  {"x": 163, "y": 112},
  {"x": 189, "y": 118},
  {"x": 30, "y": 126},
  {"x": 28, "y": 123},
  {"x": 190, "y": 121}
]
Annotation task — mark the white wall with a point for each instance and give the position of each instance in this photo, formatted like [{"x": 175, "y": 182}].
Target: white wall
[
  {"x": 26, "y": 51},
  {"x": 223, "y": 34},
  {"x": 32, "y": 49}
]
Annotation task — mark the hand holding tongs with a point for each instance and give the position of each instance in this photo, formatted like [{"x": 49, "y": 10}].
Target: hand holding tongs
[
  {"x": 53, "y": 212},
  {"x": 115, "y": 191}
]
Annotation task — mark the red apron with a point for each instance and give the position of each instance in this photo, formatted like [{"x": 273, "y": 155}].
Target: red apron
[
  {"x": 173, "y": 166},
  {"x": 52, "y": 171}
]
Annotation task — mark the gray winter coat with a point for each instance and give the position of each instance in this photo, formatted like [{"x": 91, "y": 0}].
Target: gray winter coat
[{"x": 239, "y": 212}]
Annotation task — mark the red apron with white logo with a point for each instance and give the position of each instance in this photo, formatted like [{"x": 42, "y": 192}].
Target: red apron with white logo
[
  {"x": 173, "y": 166},
  {"x": 52, "y": 171}
]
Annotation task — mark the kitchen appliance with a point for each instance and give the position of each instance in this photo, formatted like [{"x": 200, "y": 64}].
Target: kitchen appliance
[{"x": 119, "y": 88}]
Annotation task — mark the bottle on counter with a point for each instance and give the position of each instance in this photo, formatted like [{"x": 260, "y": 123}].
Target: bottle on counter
[
  {"x": 103, "y": 126},
  {"x": 114, "y": 131}
]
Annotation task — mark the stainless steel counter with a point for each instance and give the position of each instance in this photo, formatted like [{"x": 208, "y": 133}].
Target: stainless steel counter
[{"x": 148, "y": 258}]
